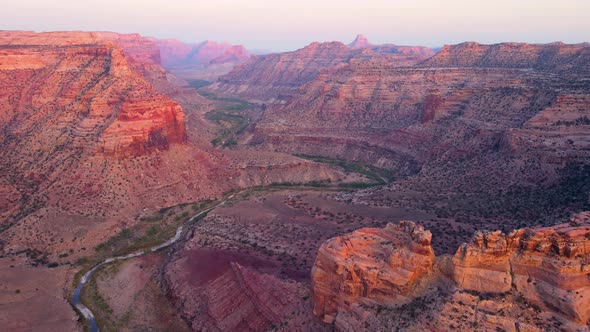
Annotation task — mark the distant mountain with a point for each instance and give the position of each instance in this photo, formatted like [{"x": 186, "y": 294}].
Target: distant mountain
[
  {"x": 175, "y": 53},
  {"x": 360, "y": 42}
]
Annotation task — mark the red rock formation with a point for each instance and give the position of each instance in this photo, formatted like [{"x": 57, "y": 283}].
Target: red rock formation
[
  {"x": 392, "y": 112},
  {"x": 234, "y": 54},
  {"x": 361, "y": 42},
  {"x": 545, "y": 268},
  {"x": 278, "y": 76},
  {"x": 268, "y": 76},
  {"x": 92, "y": 90},
  {"x": 556, "y": 56},
  {"x": 549, "y": 266},
  {"x": 226, "y": 291},
  {"x": 375, "y": 265}
]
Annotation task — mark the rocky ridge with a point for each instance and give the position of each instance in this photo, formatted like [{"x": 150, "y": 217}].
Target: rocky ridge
[
  {"x": 389, "y": 111},
  {"x": 90, "y": 130},
  {"x": 277, "y": 77},
  {"x": 544, "y": 268}
]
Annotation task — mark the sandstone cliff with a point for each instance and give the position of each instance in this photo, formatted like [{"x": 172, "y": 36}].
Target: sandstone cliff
[
  {"x": 375, "y": 265},
  {"x": 269, "y": 76},
  {"x": 358, "y": 282},
  {"x": 549, "y": 266},
  {"x": 87, "y": 86},
  {"x": 470, "y": 107},
  {"x": 277, "y": 77},
  {"x": 555, "y": 56},
  {"x": 90, "y": 132},
  {"x": 361, "y": 42}
]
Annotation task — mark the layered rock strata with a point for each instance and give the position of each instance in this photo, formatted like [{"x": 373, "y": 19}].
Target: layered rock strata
[
  {"x": 374, "y": 265},
  {"x": 549, "y": 266},
  {"x": 545, "y": 268}
]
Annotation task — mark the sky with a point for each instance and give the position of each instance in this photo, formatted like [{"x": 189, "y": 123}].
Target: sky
[{"x": 282, "y": 25}]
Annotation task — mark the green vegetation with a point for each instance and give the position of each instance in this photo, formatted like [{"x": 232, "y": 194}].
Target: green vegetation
[
  {"x": 230, "y": 116},
  {"x": 144, "y": 236},
  {"x": 197, "y": 84},
  {"x": 378, "y": 175},
  {"x": 359, "y": 185},
  {"x": 231, "y": 123},
  {"x": 581, "y": 121},
  {"x": 521, "y": 205},
  {"x": 235, "y": 104},
  {"x": 315, "y": 184},
  {"x": 92, "y": 298}
]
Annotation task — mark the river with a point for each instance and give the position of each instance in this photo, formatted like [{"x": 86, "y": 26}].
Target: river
[{"x": 85, "y": 311}]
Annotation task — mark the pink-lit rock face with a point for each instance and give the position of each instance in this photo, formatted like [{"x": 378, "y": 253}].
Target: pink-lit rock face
[
  {"x": 279, "y": 76},
  {"x": 549, "y": 266},
  {"x": 381, "y": 265},
  {"x": 546, "y": 267},
  {"x": 91, "y": 84},
  {"x": 556, "y": 56},
  {"x": 520, "y": 104}
]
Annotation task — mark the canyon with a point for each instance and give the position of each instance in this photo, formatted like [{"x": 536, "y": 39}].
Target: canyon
[
  {"x": 95, "y": 135},
  {"x": 321, "y": 156}
]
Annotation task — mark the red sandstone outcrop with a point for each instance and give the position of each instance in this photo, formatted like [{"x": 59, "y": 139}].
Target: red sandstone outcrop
[
  {"x": 545, "y": 268},
  {"x": 219, "y": 290},
  {"x": 374, "y": 265},
  {"x": 268, "y": 76},
  {"x": 86, "y": 82},
  {"x": 549, "y": 266},
  {"x": 360, "y": 42},
  {"x": 88, "y": 133}
]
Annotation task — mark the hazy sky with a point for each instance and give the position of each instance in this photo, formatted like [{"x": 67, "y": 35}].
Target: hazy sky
[{"x": 287, "y": 25}]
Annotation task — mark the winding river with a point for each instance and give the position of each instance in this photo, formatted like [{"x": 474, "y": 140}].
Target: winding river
[{"x": 85, "y": 311}]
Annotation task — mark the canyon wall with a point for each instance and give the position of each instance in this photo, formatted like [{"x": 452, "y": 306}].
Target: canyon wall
[
  {"x": 278, "y": 77},
  {"x": 472, "y": 106},
  {"x": 90, "y": 131},
  {"x": 85, "y": 85},
  {"x": 549, "y": 266}
]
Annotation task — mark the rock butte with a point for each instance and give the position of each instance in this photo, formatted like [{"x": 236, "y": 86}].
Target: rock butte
[
  {"x": 381, "y": 265},
  {"x": 548, "y": 267},
  {"x": 118, "y": 105}
]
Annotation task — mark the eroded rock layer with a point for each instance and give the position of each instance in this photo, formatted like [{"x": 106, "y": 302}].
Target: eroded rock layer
[
  {"x": 176, "y": 54},
  {"x": 376, "y": 265},
  {"x": 358, "y": 278},
  {"x": 447, "y": 117},
  {"x": 278, "y": 77},
  {"x": 550, "y": 266},
  {"x": 84, "y": 87}
]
